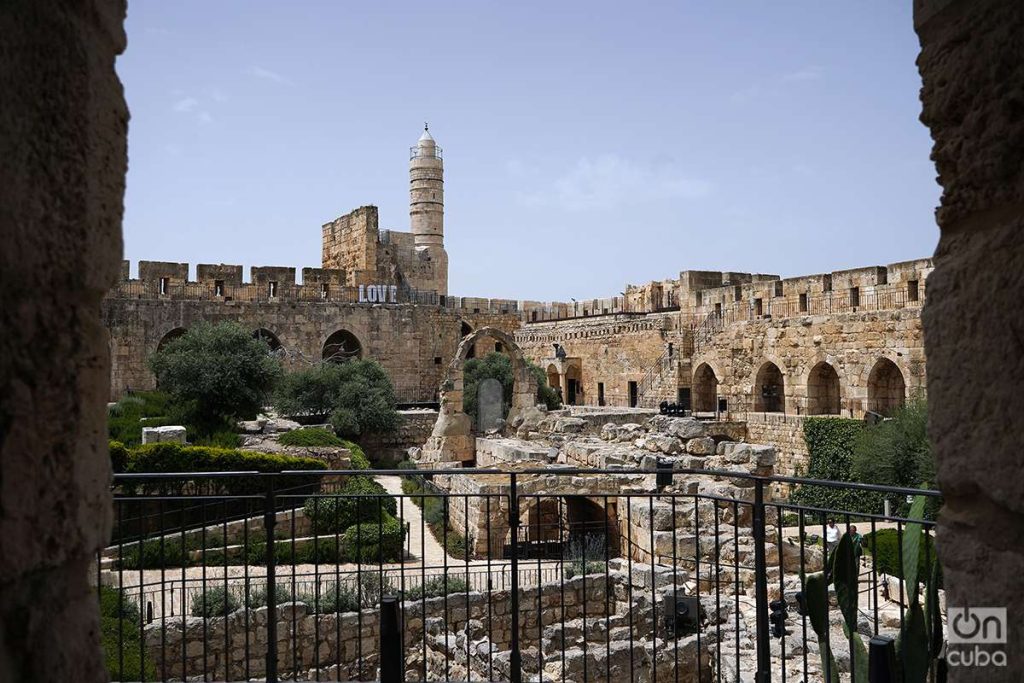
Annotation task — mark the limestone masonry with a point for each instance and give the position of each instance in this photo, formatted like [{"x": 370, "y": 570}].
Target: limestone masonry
[{"x": 743, "y": 346}]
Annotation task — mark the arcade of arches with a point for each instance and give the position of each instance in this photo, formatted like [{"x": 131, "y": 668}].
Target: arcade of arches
[
  {"x": 769, "y": 389},
  {"x": 823, "y": 396}
]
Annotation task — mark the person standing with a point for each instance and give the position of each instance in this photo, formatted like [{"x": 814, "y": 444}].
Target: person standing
[{"x": 831, "y": 536}]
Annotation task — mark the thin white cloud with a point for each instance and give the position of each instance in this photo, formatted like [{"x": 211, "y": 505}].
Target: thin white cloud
[
  {"x": 267, "y": 74},
  {"x": 186, "y": 104},
  {"x": 774, "y": 85},
  {"x": 610, "y": 181},
  {"x": 809, "y": 73},
  {"x": 205, "y": 117},
  {"x": 218, "y": 95}
]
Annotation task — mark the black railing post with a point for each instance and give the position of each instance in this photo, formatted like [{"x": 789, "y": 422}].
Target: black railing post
[
  {"x": 390, "y": 641},
  {"x": 269, "y": 521},
  {"x": 764, "y": 656},
  {"x": 515, "y": 660}
]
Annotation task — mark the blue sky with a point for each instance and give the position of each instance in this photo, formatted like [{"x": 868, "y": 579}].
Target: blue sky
[{"x": 587, "y": 144}]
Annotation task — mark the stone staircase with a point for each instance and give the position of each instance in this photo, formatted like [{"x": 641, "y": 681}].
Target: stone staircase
[{"x": 661, "y": 381}]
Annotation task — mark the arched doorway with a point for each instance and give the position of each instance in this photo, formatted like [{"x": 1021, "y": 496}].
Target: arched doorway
[
  {"x": 464, "y": 331},
  {"x": 887, "y": 391},
  {"x": 170, "y": 336},
  {"x": 342, "y": 346},
  {"x": 574, "y": 385},
  {"x": 769, "y": 390},
  {"x": 705, "y": 389},
  {"x": 269, "y": 337},
  {"x": 823, "y": 390},
  {"x": 542, "y": 521},
  {"x": 552, "y": 373}
]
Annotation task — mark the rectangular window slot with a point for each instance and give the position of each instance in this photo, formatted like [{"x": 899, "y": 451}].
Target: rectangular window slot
[
  {"x": 718, "y": 310},
  {"x": 164, "y": 285},
  {"x": 803, "y": 302},
  {"x": 324, "y": 290},
  {"x": 779, "y": 288},
  {"x": 758, "y": 308},
  {"x": 218, "y": 288},
  {"x": 272, "y": 289},
  {"x": 737, "y": 293},
  {"x": 912, "y": 290},
  {"x": 855, "y": 296}
]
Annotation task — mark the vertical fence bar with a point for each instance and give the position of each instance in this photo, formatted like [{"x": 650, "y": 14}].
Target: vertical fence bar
[
  {"x": 390, "y": 641},
  {"x": 764, "y": 656},
  {"x": 515, "y": 659},
  {"x": 269, "y": 521}
]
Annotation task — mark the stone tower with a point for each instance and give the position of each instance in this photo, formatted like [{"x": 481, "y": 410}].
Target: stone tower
[{"x": 426, "y": 207}]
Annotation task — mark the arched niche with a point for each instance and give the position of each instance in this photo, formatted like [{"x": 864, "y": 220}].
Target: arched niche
[
  {"x": 769, "y": 389},
  {"x": 705, "y": 389},
  {"x": 342, "y": 346},
  {"x": 823, "y": 392},
  {"x": 887, "y": 390},
  {"x": 170, "y": 336},
  {"x": 269, "y": 337}
]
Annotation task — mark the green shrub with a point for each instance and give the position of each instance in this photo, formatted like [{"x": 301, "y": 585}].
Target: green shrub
[
  {"x": 884, "y": 546},
  {"x": 118, "y": 456},
  {"x": 374, "y": 542},
  {"x": 153, "y": 554},
  {"x": 359, "y": 460},
  {"x": 126, "y": 418},
  {"x": 360, "y": 500},
  {"x": 830, "y": 442},
  {"x": 437, "y": 586},
  {"x": 172, "y": 457},
  {"x": 357, "y": 396},
  {"x": 257, "y": 597},
  {"x": 120, "y": 637},
  {"x": 216, "y": 373},
  {"x": 215, "y": 601},
  {"x": 309, "y": 437},
  {"x": 224, "y": 438}
]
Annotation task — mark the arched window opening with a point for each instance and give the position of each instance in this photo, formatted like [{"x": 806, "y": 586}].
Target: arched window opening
[
  {"x": 769, "y": 390},
  {"x": 705, "y": 389},
  {"x": 823, "y": 390},
  {"x": 342, "y": 346},
  {"x": 887, "y": 391}
]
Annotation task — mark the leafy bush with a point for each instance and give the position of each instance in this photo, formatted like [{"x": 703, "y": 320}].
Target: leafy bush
[
  {"x": 496, "y": 365},
  {"x": 374, "y": 542},
  {"x": 309, "y": 437},
  {"x": 830, "y": 442},
  {"x": 437, "y": 586},
  {"x": 257, "y": 597},
  {"x": 120, "y": 637},
  {"x": 126, "y": 418},
  {"x": 357, "y": 396},
  {"x": 884, "y": 546},
  {"x": 153, "y": 555},
  {"x": 360, "y": 500},
  {"x": 341, "y": 597},
  {"x": 896, "y": 452},
  {"x": 585, "y": 555},
  {"x": 118, "y": 456},
  {"x": 213, "y": 602},
  {"x": 359, "y": 460},
  {"x": 216, "y": 373}
]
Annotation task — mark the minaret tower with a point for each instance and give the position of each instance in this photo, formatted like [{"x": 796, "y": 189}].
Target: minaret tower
[{"x": 426, "y": 206}]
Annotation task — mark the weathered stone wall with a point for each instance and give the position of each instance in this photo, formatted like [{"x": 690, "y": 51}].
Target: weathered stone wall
[
  {"x": 350, "y": 243},
  {"x": 614, "y": 349},
  {"x": 786, "y": 433},
  {"x": 390, "y": 449},
  {"x": 63, "y": 124},
  {"x": 851, "y": 343},
  {"x": 217, "y": 646},
  {"x": 972, "y": 65},
  {"x": 413, "y": 343}
]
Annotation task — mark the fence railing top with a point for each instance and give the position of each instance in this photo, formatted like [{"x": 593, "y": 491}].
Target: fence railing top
[{"x": 538, "y": 471}]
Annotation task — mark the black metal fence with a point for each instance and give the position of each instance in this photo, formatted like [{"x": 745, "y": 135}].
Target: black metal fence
[{"x": 548, "y": 574}]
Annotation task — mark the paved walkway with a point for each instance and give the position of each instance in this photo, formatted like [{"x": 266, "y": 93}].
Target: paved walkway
[{"x": 422, "y": 546}]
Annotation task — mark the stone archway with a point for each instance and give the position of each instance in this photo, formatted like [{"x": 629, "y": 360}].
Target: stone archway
[
  {"x": 170, "y": 336},
  {"x": 342, "y": 346},
  {"x": 887, "y": 390},
  {"x": 823, "y": 392},
  {"x": 452, "y": 437},
  {"x": 269, "y": 337},
  {"x": 705, "y": 389},
  {"x": 769, "y": 389}
]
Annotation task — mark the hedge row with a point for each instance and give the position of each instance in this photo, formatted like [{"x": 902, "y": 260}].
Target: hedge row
[
  {"x": 360, "y": 500},
  {"x": 830, "y": 442}
]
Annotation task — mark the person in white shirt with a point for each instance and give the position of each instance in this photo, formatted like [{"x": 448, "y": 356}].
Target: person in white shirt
[{"x": 831, "y": 536}]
